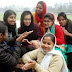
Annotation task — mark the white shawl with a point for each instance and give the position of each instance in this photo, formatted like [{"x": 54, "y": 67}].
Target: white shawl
[{"x": 48, "y": 55}]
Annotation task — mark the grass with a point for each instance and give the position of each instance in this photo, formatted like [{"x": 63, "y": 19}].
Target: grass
[{"x": 19, "y": 15}]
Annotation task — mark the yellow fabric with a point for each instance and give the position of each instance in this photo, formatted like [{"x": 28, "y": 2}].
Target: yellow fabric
[{"x": 35, "y": 20}]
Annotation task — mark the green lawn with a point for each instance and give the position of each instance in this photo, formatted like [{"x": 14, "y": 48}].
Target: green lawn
[{"x": 19, "y": 14}]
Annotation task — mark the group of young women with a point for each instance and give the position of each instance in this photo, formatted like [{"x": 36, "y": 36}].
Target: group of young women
[{"x": 49, "y": 44}]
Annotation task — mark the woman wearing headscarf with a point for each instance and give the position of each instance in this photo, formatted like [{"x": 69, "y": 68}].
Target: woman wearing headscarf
[
  {"x": 39, "y": 13},
  {"x": 50, "y": 26},
  {"x": 27, "y": 25},
  {"x": 10, "y": 21},
  {"x": 47, "y": 58}
]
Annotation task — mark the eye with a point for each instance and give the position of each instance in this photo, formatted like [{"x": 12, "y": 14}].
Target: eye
[
  {"x": 49, "y": 43},
  {"x": 44, "y": 42}
]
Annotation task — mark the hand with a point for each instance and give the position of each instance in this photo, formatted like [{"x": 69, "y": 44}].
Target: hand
[
  {"x": 29, "y": 65},
  {"x": 36, "y": 43},
  {"x": 26, "y": 40},
  {"x": 66, "y": 32},
  {"x": 39, "y": 24},
  {"x": 23, "y": 35}
]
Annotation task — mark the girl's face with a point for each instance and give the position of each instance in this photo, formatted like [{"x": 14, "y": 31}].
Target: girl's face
[
  {"x": 39, "y": 9},
  {"x": 62, "y": 21},
  {"x": 27, "y": 20},
  {"x": 11, "y": 19},
  {"x": 47, "y": 44},
  {"x": 47, "y": 22}
]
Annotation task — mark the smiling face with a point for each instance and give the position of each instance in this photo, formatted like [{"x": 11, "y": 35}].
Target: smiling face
[
  {"x": 47, "y": 22},
  {"x": 62, "y": 21},
  {"x": 47, "y": 44},
  {"x": 39, "y": 9},
  {"x": 27, "y": 20},
  {"x": 11, "y": 19}
]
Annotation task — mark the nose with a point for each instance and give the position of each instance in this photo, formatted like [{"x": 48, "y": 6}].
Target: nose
[{"x": 46, "y": 45}]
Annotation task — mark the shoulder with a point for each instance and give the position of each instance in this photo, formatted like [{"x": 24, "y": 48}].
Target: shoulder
[
  {"x": 57, "y": 58},
  {"x": 35, "y": 26},
  {"x": 33, "y": 13},
  {"x": 57, "y": 26},
  {"x": 69, "y": 22},
  {"x": 19, "y": 30}
]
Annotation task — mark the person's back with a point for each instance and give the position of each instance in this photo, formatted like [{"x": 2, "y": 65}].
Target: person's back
[{"x": 8, "y": 57}]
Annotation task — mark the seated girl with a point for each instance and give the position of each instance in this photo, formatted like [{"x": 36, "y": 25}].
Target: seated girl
[
  {"x": 26, "y": 25},
  {"x": 47, "y": 58}
]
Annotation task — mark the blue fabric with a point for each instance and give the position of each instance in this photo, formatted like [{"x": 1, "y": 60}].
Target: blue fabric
[
  {"x": 69, "y": 48},
  {"x": 4, "y": 43},
  {"x": 11, "y": 48}
]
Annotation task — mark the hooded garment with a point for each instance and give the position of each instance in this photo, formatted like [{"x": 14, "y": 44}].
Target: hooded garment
[
  {"x": 48, "y": 55},
  {"x": 36, "y": 17}
]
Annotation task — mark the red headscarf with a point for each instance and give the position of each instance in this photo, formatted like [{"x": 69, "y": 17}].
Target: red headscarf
[{"x": 42, "y": 18}]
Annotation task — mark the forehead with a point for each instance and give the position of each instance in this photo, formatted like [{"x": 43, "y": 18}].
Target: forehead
[
  {"x": 12, "y": 15},
  {"x": 47, "y": 39},
  {"x": 61, "y": 17},
  {"x": 27, "y": 16},
  {"x": 47, "y": 18},
  {"x": 39, "y": 5}
]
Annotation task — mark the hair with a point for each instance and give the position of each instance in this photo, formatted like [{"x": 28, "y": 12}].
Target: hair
[
  {"x": 50, "y": 35},
  {"x": 7, "y": 14},
  {"x": 3, "y": 28},
  {"x": 63, "y": 15},
  {"x": 41, "y": 2},
  {"x": 22, "y": 25},
  {"x": 11, "y": 28},
  {"x": 50, "y": 16}
]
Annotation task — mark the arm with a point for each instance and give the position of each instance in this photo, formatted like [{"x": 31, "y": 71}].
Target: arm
[
  {"x": 30, "y": 56},
  {"x": 17, "y": 51},
  {"x": 59, "y": 35},
  {"x": 55, "y": 65},
  {"x": 66, "y": 32},
  {"x": 6, "y": 57}
]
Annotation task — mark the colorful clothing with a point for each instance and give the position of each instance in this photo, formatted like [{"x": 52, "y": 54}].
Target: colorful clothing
[
  {"x": 56, "y": 29},
  {"x": 36, "y": 17}
]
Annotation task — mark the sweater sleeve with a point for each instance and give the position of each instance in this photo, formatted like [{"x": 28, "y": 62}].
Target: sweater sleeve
[
  {"x": 59, "y": 35},
  {"x": 30, "y": 56},
  {"x": 55, "y": 65}
]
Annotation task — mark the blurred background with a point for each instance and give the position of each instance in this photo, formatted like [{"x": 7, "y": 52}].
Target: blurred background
[{"x": 53, "y": 6}]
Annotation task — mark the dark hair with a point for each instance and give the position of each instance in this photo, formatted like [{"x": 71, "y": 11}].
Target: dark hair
[
  {"x": 49, "y": 15},
  {"x": 3, "y": 28},
  {"x": 41, "y": 2},
  {"x": 7, "y": 14},
  {"x": 52, "y": 37},
  {"x": 62, "y": 14},
  {"x": 11, "y": 28},
  {"x": 23, "y": 27}
]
